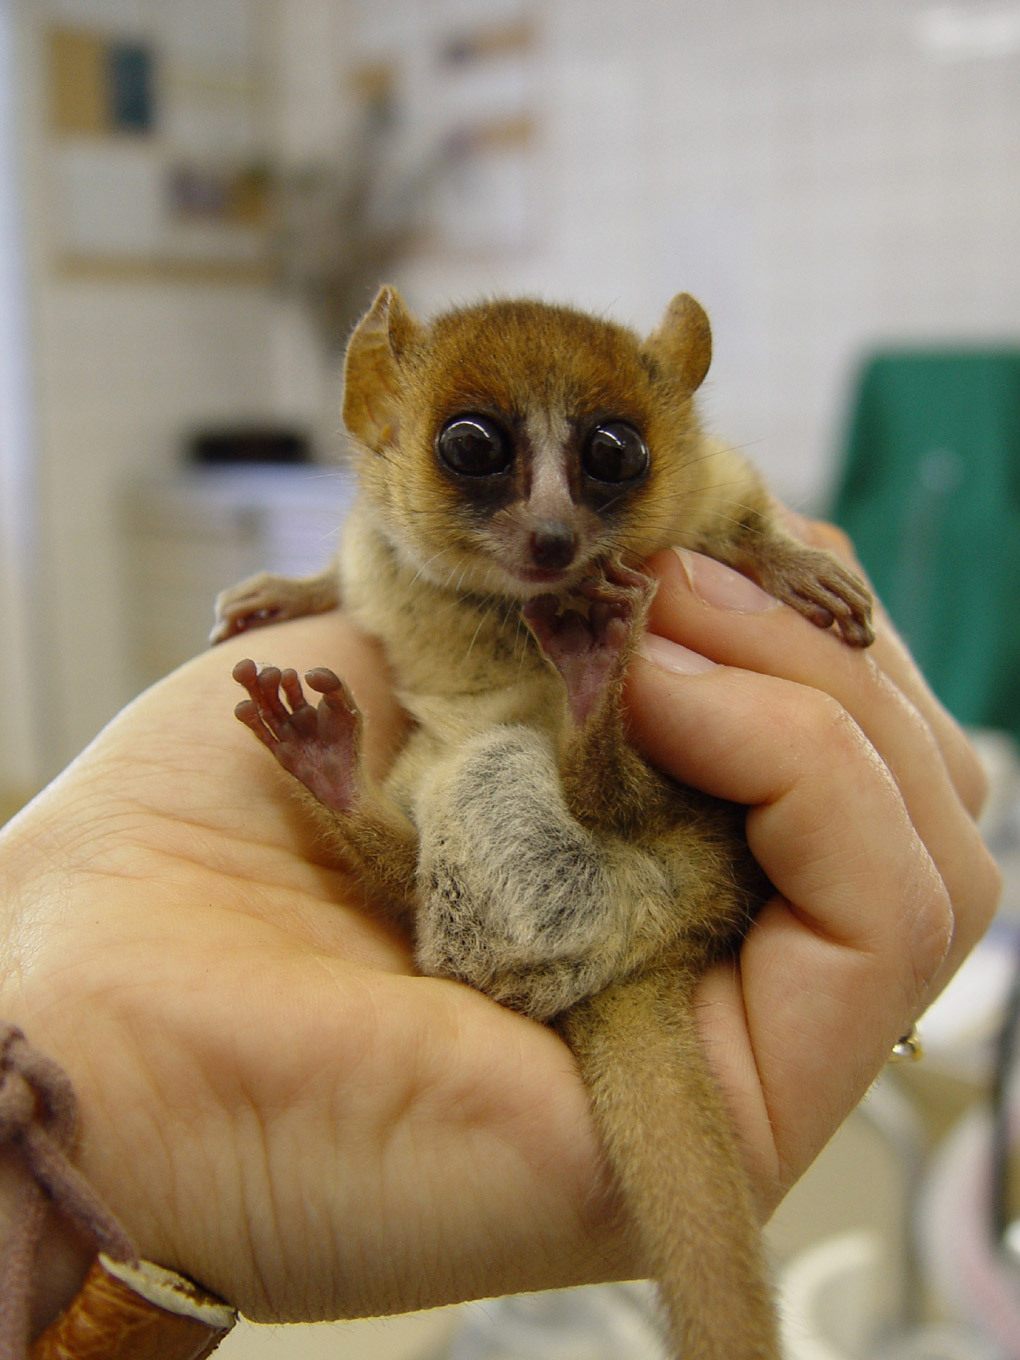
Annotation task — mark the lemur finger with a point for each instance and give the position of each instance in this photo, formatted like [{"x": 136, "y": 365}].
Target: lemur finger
[
  {"x": 846, "y": 605},
  {"x": 601, "y": 613},
  {"x": 245, "y": 672},
  {"x": 638, "y": 582},
  {"x": 557, "y": 631},
  {"x": 302, "y": 718},
  {"x": 616, "y": 583},
  {"x": 541, "y": 609},
  {"x": 263, "y": 689},
  {"x": 338, "y": 717},
  {"x": 812, "y": 610},
  {"x": 323, "y": 680},
  {"x": 247, "y": 712},
  {"x": 856, "y": 632},
  {"x": 291, "y": 686},
  {"x": 267, "y": 695},
  {"x": 254, "y": 681}
]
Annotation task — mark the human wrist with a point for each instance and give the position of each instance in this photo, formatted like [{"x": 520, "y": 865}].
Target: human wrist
[{"x": 58, "y": 1297}]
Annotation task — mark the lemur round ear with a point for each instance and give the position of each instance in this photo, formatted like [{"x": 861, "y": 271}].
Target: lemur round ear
[
  {"x": 682, "y": 342},
  {"x": 388, "y": 316},
  {"x": 371, "y": 369}
]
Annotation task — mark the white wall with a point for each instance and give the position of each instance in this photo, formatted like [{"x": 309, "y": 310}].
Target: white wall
[
  {"x": 123, "y": 370},
  {"x": 823, "y": 175}
]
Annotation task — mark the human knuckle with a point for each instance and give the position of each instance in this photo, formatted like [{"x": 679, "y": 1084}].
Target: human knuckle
[
  {"x": 986, "y": 888},
  {"x": 920, "y": 940},
  {"x": 829, "y": 727},
  {"x": 931, "y": 930},
  {"x": 969, "y": 774},
  {"x": 926, "y": 749}
]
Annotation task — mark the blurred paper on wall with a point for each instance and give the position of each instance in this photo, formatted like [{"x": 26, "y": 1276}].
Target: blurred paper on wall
[{"x": 78, "y": 82}]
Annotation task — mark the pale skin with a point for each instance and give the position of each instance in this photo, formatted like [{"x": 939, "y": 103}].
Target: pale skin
[{"x": 277, "y": 1106}]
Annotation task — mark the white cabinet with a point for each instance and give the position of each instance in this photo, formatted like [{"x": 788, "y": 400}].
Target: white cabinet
[{"x": 187, "y": 537}]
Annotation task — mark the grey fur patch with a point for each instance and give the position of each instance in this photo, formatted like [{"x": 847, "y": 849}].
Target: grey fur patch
[{"x": 518, "y": 899}]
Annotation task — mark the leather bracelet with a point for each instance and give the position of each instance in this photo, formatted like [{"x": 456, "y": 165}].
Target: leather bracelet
[
  {"x": 136, "y": 1312},
  {"x": 127, "y": 1309}
]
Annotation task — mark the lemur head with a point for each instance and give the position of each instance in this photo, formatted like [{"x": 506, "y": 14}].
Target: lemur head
[{"x": 507, "y": 445}]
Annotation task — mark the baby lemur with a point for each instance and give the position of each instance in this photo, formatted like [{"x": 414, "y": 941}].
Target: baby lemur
[{"x": 516, "y": 463}]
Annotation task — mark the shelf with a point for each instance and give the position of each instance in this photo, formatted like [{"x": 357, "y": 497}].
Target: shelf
[{"x": 164, "y": 269}]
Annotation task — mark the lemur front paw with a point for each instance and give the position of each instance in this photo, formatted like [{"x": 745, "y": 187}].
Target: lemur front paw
[
  {"x": 267, "y": 598},
  {"x": 826, "y": 592},
  {"x": 320, "y": 747},
  {"x": 822, "y": 589},
  {"x": 590, "y": 648}
]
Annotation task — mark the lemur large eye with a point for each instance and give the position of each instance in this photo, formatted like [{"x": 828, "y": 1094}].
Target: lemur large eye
[
  {"x": 474, "y": 446},
  {"x": 614, "y": 452}
]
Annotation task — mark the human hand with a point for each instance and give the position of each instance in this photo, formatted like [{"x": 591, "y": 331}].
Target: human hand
[
  {"x": 862, "y": 793},
  {"x": 277, "y": 1106},
  {"x": 272, "y": 1101}
]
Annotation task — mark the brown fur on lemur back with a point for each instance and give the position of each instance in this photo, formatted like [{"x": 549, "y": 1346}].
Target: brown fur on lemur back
[{"x": 516, "y": 462}]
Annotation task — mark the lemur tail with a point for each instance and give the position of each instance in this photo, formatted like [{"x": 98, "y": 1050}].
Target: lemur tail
[{"x": 669, "y": 1141}]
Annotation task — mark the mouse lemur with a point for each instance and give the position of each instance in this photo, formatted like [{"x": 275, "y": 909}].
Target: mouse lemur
[{"x": 516, "y": 463}]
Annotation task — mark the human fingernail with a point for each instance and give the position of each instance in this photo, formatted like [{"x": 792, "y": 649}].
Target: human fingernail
[
  {"x": 670, "y": 656},
  {"x": 721, "y": 586}
]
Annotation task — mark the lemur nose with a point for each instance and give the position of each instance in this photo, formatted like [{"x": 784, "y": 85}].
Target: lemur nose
[{"x": 553, "y": 546}]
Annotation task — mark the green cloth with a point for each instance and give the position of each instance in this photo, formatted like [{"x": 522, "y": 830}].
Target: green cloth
[{"x": 931, "y": 497}]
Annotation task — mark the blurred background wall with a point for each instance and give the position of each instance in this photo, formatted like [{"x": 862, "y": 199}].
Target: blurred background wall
[{"x": 198, "y": 196}]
